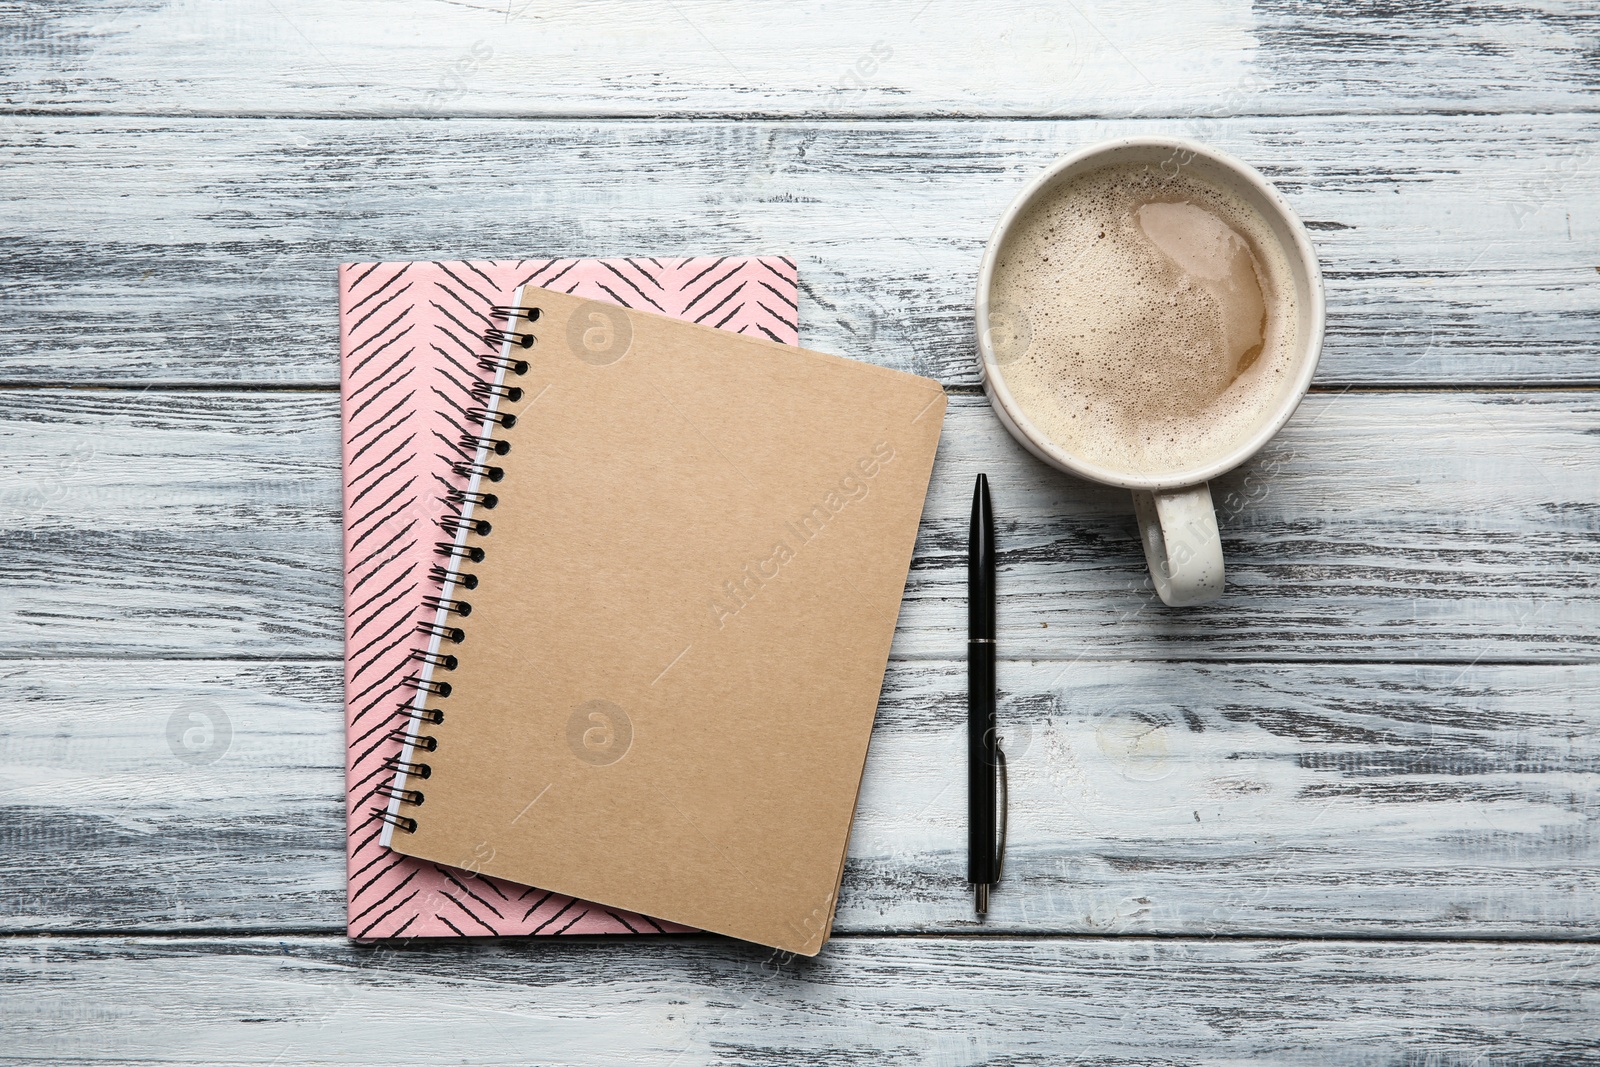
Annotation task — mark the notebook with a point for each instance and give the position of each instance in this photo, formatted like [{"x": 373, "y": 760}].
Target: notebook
[
  {"x": 410, "y": 339},
  {"x": 675, "y": 581}
]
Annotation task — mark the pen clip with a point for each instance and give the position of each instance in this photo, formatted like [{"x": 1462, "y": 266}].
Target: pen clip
[{"x": 1005, "y": 811}]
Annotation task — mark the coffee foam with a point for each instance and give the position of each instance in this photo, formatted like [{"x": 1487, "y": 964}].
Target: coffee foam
[{"x": 1143, "y": 321}]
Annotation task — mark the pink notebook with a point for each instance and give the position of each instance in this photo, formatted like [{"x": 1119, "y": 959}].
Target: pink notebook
[{"x": 410, "y": 336}]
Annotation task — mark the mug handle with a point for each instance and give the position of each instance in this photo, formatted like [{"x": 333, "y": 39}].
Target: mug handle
[{"x": 1181, "y": 543}]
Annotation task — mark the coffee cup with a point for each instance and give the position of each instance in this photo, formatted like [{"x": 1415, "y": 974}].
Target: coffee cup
[{"x": 1171, "y": 494}]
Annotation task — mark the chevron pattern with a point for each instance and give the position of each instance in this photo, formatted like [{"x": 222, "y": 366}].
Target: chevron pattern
[{"x": 409, "y": 337}]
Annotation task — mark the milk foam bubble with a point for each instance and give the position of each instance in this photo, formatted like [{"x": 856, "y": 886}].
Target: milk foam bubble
[{"x": 1157, "y": 319}]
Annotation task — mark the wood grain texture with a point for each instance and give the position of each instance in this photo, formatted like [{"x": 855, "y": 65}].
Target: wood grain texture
[
  {"x": 1387, "y": 730},
  {"x": 685, "y": 1000},
  {"x": 1155, "y": 798},
  {"x": 695, "y": 57},
  {"x": 1457, "y": 249},
  {"x": 1390, "y": 526}
]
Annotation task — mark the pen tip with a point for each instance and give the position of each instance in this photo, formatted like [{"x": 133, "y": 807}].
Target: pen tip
[{"x": 982, "y": 899}]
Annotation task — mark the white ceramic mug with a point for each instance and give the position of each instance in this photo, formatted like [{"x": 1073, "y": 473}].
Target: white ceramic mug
[{"x": 1176, "y": 519}]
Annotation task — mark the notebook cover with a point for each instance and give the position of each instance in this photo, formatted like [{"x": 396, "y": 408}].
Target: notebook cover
[
  {"x": 409, "y": 338},
  {"x": 677, "y": 636}
]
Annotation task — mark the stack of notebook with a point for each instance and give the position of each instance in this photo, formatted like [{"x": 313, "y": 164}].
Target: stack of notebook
[{"x": 623, "y": 569}]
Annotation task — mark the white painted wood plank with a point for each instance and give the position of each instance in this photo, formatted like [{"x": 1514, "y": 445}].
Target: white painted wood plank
[
  {"x": 1147, "y": 798},
  {"x": 900, "y": 57},
  {"x": 693, "y": 1001},
  {"x": 1457, "y": 249},
  {"x": 209, "y": 794},
  {"x": 1396, "y": 526}
]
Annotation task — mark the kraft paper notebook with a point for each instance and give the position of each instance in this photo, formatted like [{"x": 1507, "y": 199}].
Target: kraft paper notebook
[
  {"x": 410, "y": 340},
  {"x": 676, "y": 576}
]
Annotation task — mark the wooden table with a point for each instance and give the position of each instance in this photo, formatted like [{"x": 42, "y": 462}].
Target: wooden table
[{"x": 1348, "y": 815}]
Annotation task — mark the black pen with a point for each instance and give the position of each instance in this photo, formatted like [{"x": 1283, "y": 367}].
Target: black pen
[{"x": 984, "y": 759}]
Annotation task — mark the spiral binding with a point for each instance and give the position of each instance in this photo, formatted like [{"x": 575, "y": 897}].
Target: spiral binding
[
  {"x": 456, "y": 524},
  {"x": 495, "y": 336},
  {"x": 428, "y": 685},
  {"x": 513, "y": 312},
  {"x": 499, "y": 418},
  {"x": 453, "y": 634},
  {"x": 482, "y": 390},
  {"x": 399, "y": 822},
  {"x": 406, "y": 767},
  {"x": 433, "y": 716},
  {"x": 455, "y": 551},
  {"x": 405, "y": 796},
  {"x": 484, "y": 444},
  {"x": 501, "y": 364},
  {"x": 462, "y": 496},
  {"x": 477, "y": 470},
  {"x": 443, "y": 574},
  {"x": 425, "y": 742},
  {"x": 434, "y": 659}
]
